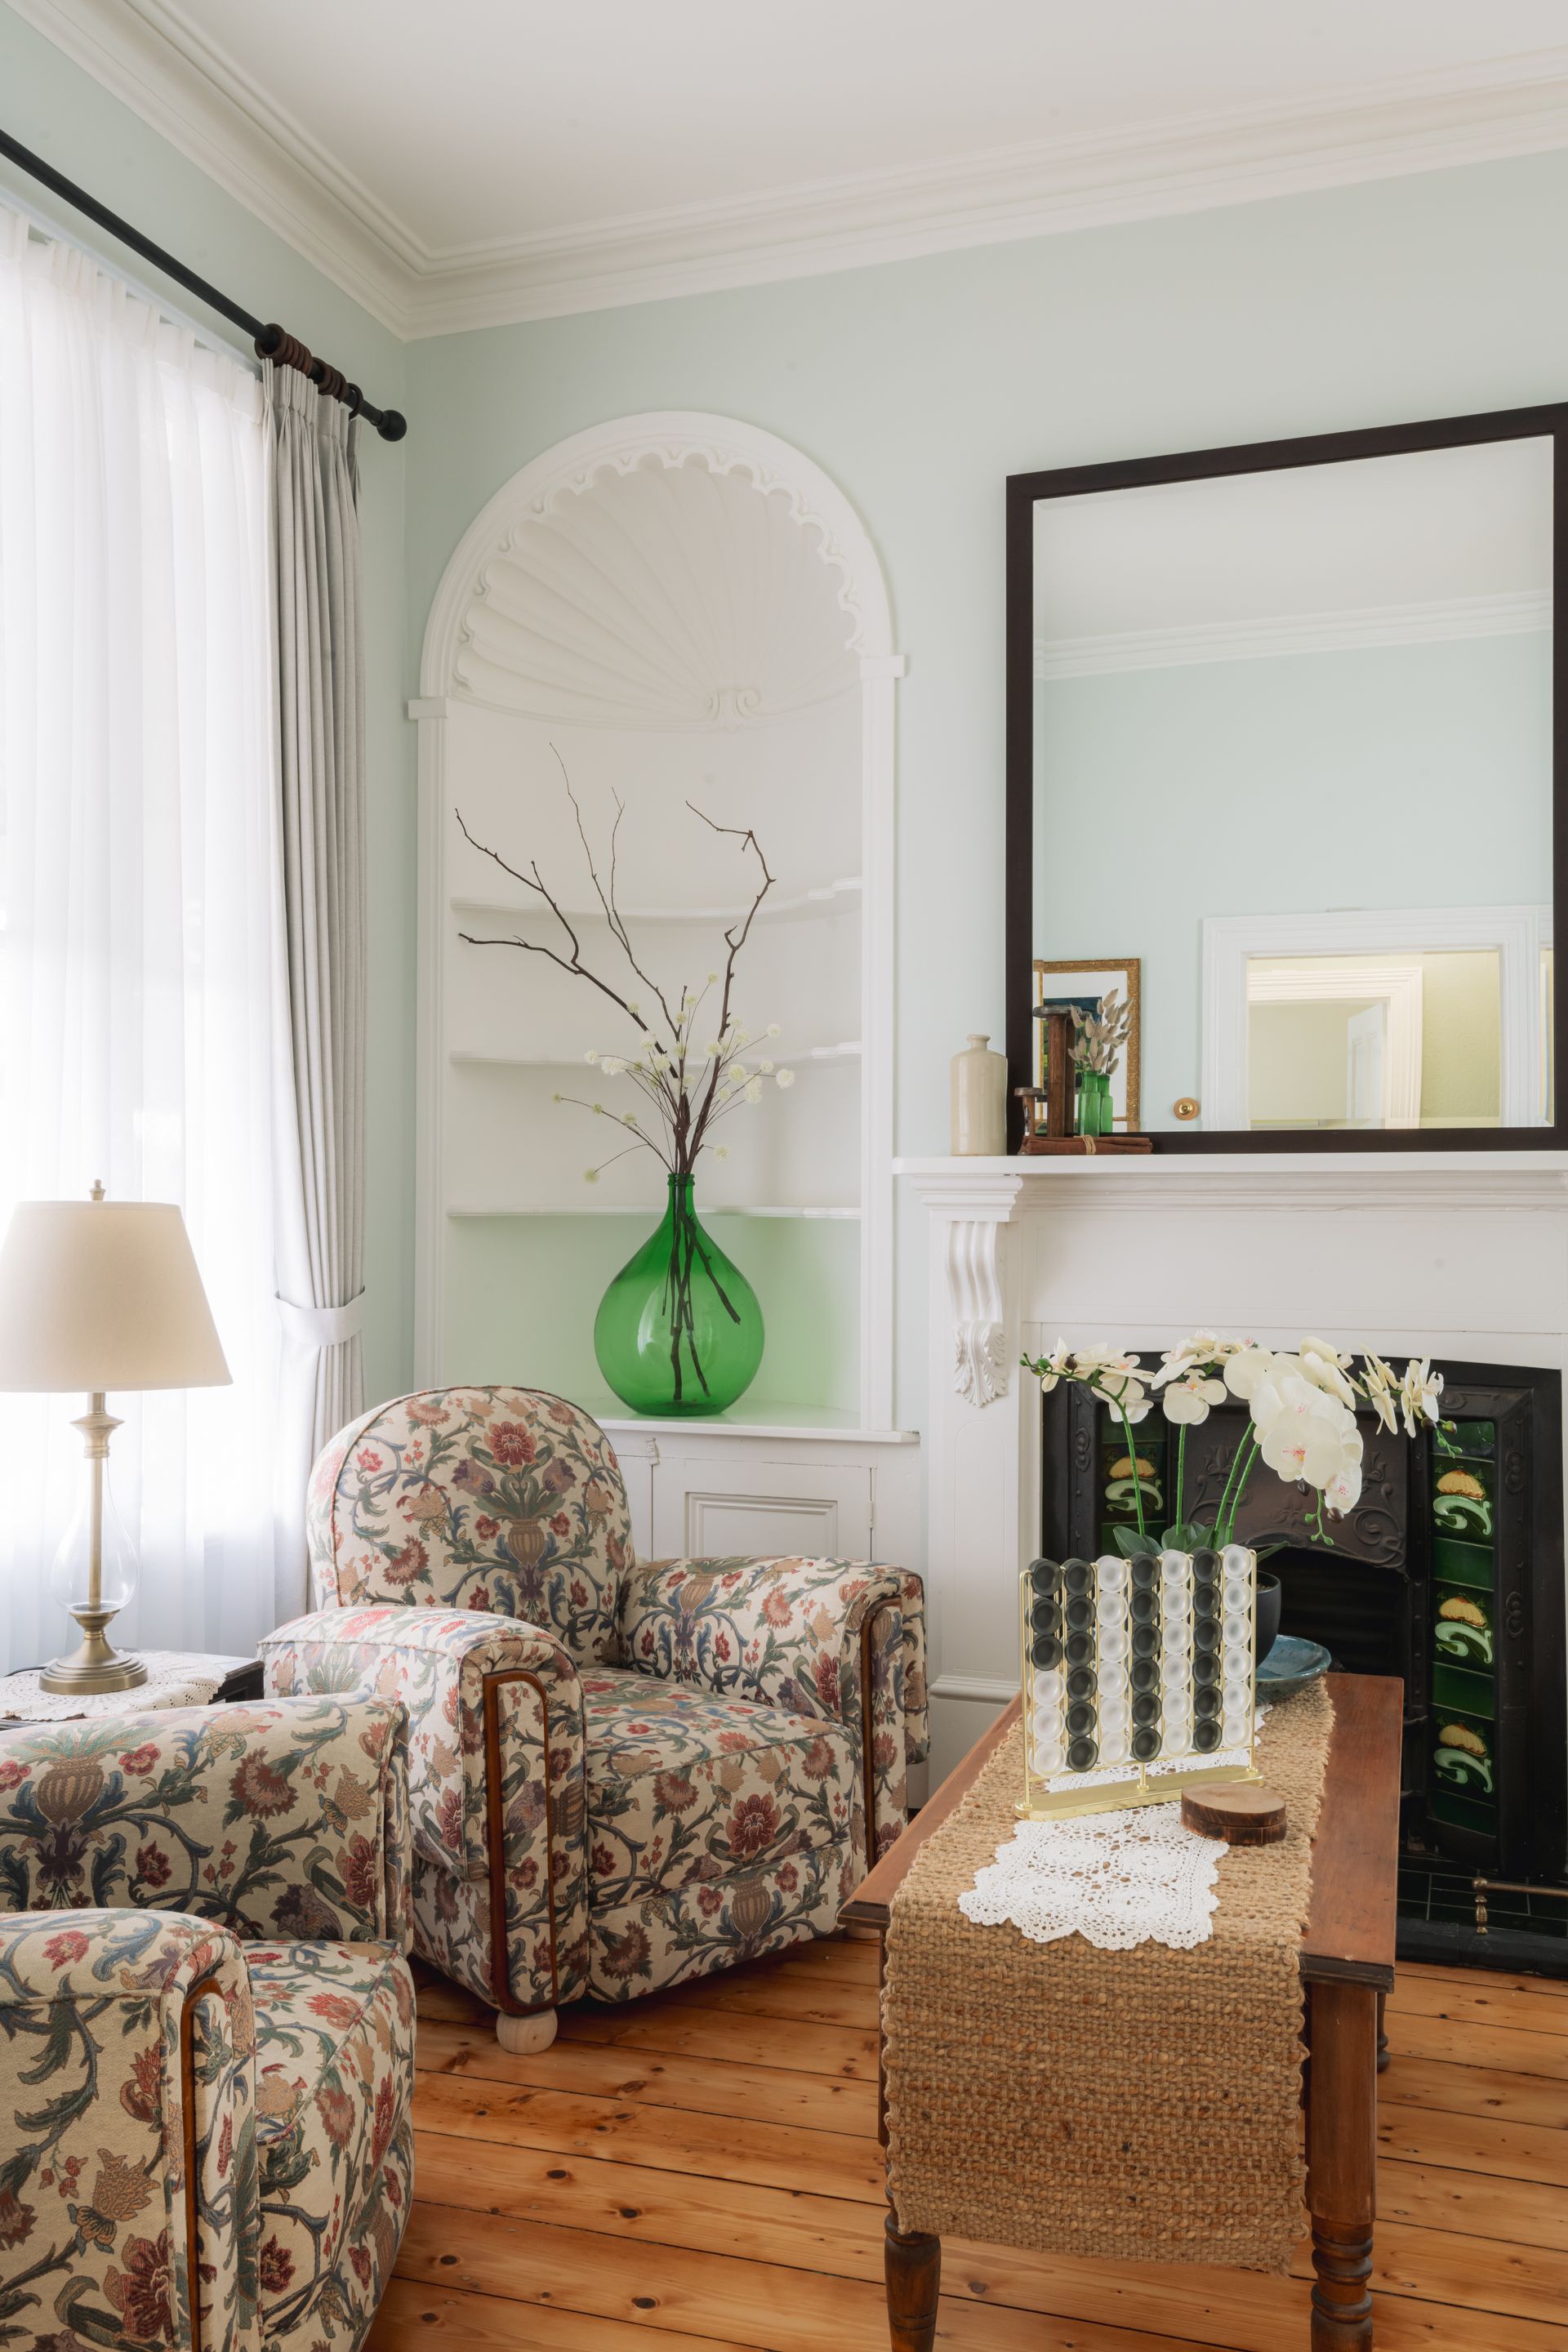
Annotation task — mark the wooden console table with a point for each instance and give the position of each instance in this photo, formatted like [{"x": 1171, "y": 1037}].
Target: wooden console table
[{"x": 1347, "y": 1967}]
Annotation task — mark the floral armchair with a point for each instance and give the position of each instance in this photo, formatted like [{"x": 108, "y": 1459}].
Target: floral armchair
[
  {"x": 622, "y": 1776},
  {"x": 206, "y": 2027}
]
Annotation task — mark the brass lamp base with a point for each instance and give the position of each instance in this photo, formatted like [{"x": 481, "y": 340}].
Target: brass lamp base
[{"x": 92, "y": 1667}]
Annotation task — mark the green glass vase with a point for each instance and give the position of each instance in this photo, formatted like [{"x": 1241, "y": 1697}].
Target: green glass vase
[
  {"x": 1095, "y": 1116},
  {"x": 679, "y": 1329}
]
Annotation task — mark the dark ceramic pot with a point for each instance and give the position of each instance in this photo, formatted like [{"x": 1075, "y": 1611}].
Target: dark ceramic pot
[{"x": 1266, "y": 1625}]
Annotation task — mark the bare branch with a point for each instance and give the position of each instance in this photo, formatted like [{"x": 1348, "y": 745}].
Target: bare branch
[{"x": 734, "y": 941}]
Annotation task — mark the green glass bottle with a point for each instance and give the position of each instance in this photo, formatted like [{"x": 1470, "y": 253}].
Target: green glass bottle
[{"x": 679, "y": 1330}]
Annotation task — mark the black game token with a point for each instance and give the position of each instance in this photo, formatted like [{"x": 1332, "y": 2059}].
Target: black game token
[
  {"x": 1145, "y": 1569},
  {"x": 1045, "y": 1576},
  {"x": 1080, "y": 1649},
  {"x": 1080, "y": 1683},
  {"x": 1145, "y": 1607},
  {"x": 1206, "y": 1736},
  {"x": 1080, "y": 1716},
  {"x": 1146, "y": 1708},
  {"x": 1146, "y": 1674},
  {"x": 1146, "y": 1744},
  {"x": 1079, "y": 1615},
  {"x": 1205, "y": 1704},
  {"x": 1145, "y": 1640},
  {"x": 1045, "y": 1651},
  {"x": 1082, "y": 1754},
  {"x": 1205, "y": 1565},
  {"x": 1046, "y": 1617},
  {"x": 1077, "y": 1575},
  {"x": 1206, "y": 1672}
]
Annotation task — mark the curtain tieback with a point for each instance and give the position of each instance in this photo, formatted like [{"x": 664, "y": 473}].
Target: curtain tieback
[{"x": 322, "y": 1326}]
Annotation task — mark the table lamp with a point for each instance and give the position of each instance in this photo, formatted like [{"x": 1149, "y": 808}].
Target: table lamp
[{"x": 99, "y": 1295}]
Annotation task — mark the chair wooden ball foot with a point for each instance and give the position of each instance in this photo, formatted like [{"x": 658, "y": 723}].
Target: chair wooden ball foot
[{"x": 525, "y": 2037}]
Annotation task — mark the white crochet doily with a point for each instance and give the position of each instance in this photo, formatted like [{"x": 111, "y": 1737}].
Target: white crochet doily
[
  {"x": 174, "y": 1678},
  {"x": 1115, "y": 1879}
]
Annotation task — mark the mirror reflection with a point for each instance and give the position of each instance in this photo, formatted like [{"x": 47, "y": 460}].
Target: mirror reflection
[{"x": 1292, "y": 764}]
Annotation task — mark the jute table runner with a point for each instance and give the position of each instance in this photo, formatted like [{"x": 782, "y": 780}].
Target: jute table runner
[{"x": 1143, "y": 2105}]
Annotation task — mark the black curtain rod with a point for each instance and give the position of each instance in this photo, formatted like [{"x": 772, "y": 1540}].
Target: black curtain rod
[{"x": 273, "y": 342}]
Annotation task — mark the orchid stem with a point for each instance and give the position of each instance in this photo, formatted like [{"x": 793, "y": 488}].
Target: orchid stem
[{"x": 1181, "y": 1518}]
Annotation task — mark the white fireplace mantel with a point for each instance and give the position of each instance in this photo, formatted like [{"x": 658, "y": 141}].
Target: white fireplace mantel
[{"x": 1460, "y": 1255}]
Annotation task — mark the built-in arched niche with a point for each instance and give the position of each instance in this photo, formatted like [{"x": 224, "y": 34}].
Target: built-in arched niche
[{"x": 679, "y": 612}]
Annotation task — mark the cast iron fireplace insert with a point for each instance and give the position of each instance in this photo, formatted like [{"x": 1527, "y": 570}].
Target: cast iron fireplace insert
[{"x": 1448, "y": 1573}]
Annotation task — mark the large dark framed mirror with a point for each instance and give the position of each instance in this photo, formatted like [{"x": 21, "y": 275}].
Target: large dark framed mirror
[{"x": 1286, "y": 745}]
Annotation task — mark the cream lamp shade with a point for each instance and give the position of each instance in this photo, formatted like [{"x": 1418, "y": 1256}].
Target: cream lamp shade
[{"x": 98, "y": 1294}]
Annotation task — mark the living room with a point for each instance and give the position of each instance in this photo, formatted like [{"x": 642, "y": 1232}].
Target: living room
[{"x": 970, "y": 598}]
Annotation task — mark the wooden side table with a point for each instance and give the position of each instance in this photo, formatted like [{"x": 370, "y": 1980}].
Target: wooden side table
[{"x": 1347, "y": 1968}]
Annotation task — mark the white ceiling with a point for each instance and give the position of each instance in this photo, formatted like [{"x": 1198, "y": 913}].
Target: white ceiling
[
  {"x": 456, "y": 165},
  {"x": 1427, "y": 544}
]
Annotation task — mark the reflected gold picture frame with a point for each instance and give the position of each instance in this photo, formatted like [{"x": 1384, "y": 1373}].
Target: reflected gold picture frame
[{"x": 1124, "y": 970}]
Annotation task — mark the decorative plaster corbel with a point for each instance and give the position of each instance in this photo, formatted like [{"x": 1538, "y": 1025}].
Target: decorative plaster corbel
[{"x": 974, "y": 1207}]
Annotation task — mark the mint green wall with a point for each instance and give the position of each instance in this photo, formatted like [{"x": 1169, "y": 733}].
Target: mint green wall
[
  {"x": 66, "y": 117},
  {"x": 1414, "y": 775},
  {"x": 920, "y": 385}
]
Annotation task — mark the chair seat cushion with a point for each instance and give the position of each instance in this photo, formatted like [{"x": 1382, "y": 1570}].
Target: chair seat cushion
[
  {"x": 334, "y": 2079},
  {"x": 685, "y": 1786}
]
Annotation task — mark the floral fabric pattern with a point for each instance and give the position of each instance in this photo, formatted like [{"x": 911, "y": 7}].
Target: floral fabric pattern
[
  {"x": 93, "y": 2228},
  {"x": 667, "y": 1935},
  {"x": 270, "y": 1819},
  {"x": 788, "y": 1634},
  {"x": 685, "y": 1786},
  {"x": 492, "y": 1498},
  {"x": 698, "y": 1760},
  {"x": 439, "y": 1664},
  {"x": 334, "y": 2083}
]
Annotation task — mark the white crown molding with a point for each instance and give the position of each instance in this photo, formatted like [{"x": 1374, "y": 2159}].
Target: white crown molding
[
  {"x": 1432, "y": 622},
  {"x": 151, "y": 55}
]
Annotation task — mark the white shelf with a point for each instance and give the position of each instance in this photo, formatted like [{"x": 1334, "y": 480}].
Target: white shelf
[
  {"x": 745, "y": 1419},
  {"x": 652, "y": 1211},
  {"x": 832, "y": 899},
  {"x": 847, "y": 1050}
]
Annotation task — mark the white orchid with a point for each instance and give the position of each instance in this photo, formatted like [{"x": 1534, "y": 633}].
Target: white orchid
[
  {"x": 1188, "y": 1400},
  {"x": 1056, "y": 1366},
  {"x": 1326, "y": 1370},
  {"x": 1381, "y": 1390},
  {"x": 1420, "y": 1392},
  {"x": 1343, "y": 1490},
  {"x": 1244, "y": 1371}
]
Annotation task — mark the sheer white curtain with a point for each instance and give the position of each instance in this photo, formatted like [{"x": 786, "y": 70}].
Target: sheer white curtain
[{"x": 136, "y": 923}]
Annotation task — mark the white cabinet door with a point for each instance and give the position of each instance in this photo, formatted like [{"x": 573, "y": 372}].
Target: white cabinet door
[{"x": 749, "y": 1505}]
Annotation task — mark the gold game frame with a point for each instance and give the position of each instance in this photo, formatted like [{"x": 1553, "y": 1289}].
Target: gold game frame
[{"x": 1102, "y": 1651}]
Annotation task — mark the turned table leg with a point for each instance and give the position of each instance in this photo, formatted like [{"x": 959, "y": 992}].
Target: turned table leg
[
  {"x": 913, "y": 2267},
  {"x": 1382, "y": 2036},
  {"x": 1342, "y": 2161}
]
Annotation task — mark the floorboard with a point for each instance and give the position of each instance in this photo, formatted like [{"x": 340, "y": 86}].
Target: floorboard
[{"x": 699, "y": 2172}]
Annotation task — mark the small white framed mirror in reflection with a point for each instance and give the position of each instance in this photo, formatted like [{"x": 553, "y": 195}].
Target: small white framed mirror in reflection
[{"x": 1289, "y": 740}]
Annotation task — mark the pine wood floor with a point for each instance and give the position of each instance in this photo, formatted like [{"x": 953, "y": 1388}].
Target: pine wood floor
[{"x": 700, "y": 2173}]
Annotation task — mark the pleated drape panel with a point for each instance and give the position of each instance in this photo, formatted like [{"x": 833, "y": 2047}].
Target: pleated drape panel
[
  {"x": 319, "y": 619},
  {"x": 136, "y": 946}
]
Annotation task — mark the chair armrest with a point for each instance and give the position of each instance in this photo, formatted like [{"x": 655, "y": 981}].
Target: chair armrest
[
  {"x": 126, "y": 2107},
  {"x": 283, "y": 1819},
  {"x": 497, "y": 1795},
  {"x": 840, "y": 1639}
]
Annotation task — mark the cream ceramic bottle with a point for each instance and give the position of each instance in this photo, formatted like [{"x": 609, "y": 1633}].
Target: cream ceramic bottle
[{"x": 978, "y": 1102}]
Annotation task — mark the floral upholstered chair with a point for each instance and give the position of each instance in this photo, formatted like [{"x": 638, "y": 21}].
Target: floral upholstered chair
[
  {"x": 622, "y": 1775},
  {"x": 206, "y": 2027}
]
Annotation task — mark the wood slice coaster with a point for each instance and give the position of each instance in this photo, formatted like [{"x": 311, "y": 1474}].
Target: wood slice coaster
[{"x": 1244, "y": 1814}]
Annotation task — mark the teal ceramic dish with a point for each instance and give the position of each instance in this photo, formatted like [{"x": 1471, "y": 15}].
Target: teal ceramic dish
[{"x": 1290, "y": 1665}]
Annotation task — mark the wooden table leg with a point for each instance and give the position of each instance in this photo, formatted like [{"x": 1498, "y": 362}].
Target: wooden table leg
[
  {"x": 1342, "y": 2161},
  {"x": 1382, "y": 2036},
  {"x": 913, "y": 2267}
]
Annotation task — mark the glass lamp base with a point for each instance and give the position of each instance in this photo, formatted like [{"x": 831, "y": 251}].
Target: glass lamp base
[{"x": 92, "y": 1667}]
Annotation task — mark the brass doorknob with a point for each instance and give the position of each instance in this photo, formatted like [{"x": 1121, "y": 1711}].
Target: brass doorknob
[{"x": 1186, "y": 1106}]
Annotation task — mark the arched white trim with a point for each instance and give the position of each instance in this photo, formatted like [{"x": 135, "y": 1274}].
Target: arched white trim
[
  {"x": 725, "y": 445},
  {"x": 673, "y": 437}
]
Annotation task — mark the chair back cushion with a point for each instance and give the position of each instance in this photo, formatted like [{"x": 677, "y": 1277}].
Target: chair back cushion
[{"x": 498, "y": 1498}]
